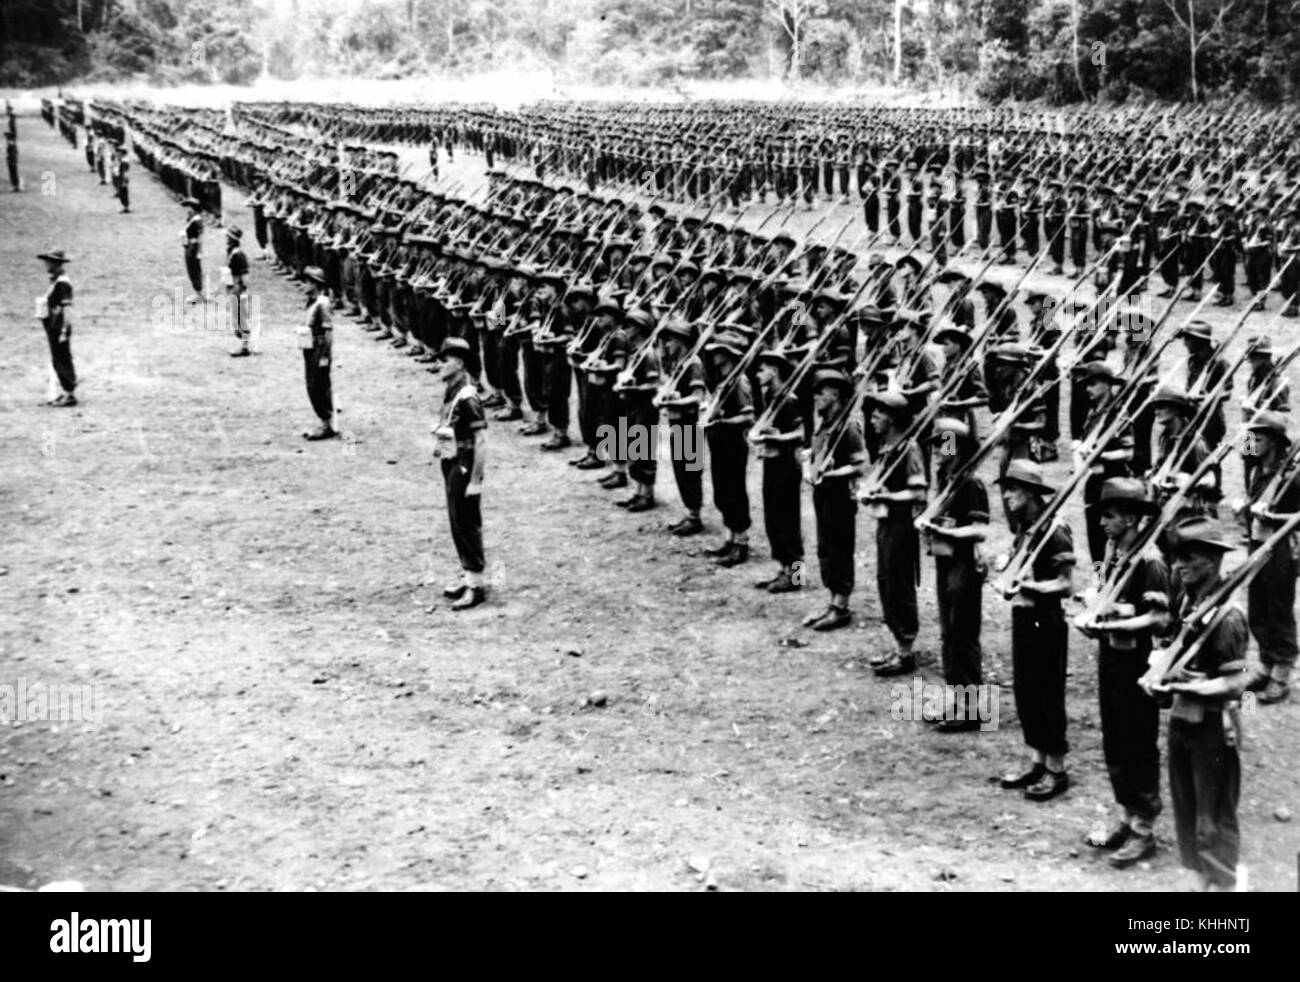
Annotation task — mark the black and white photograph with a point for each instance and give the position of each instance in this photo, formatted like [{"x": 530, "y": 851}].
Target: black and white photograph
[{"x": 650, "y": 446}]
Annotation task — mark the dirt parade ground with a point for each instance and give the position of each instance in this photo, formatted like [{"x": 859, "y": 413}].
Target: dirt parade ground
[{"x": 284, "y": 701}]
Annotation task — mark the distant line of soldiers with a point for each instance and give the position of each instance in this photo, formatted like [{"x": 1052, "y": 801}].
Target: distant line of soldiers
[
  {"x": 868, "y": 382},
  {"x": 950, "y": 179}
]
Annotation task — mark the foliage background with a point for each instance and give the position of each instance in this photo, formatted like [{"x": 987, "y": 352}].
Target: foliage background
[{"x": 1056, "y": 50}]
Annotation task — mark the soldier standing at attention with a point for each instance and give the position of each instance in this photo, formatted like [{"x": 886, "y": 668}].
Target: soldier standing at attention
[
  {"x": 316, "y": 338},
  {"x": 11, "y": 161},
  {"x": 901, "y": 484},
  {"x": 683, "y": 407},
  {"x": 1204, "y": 766},
  {"x": 1039, "y": 639},
  {"x": 729, "y": 449},
  {"x": 1130, "y": 718},
  {"x": 192, "y": 237},
  {"x": 122, "y": 180},
  {"x": 1271, "y": 598},
  {"x": 781, "y": 477},
  {"x": 833, "y": 499},
  {"x": 58, "y": 326},
  {"x": 952, "y": 538},
  {"x": 462, "y": 448},
  {"x": 237, "y": 288}
]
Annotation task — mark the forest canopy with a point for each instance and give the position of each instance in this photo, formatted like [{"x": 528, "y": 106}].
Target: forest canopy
[{"x": 1057, "y": 50}]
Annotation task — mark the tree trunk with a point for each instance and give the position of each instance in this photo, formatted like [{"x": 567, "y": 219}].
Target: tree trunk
[
  {"x": 1074, "y": 40},
  {"x": 898, "y": 41},
  {"x": 1191, "y": 40},
  {"x": 796, "y": 53}
]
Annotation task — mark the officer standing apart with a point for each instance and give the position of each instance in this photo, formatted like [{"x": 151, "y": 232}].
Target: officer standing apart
[
  {"x": 316, "y": 338},
  {"x": 11, "y": 161},
  {"x": 57, "y": 321},
  {"x": 462, "y": 447},
  {"x": 237, "y": 288},
  {"x": 192, "y": 237}
]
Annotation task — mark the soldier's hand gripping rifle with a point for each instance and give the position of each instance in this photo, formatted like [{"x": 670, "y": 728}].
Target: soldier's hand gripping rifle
[{"x": 1168, "y": 666}]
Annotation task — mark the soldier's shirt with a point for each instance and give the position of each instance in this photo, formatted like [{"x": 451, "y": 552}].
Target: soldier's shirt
[
  {"x": 1269, "y": 390},
  {"x": 460, "y": 418},
  {"x": 971, "y": 386},
  {"x": 312, "y": 333},
  {"x": 1286, "y": 501},
  {"x": 969, "y": 505},
  {"x": 788, "y": 418},
  {"x": 1055, "y": 559},
  {"x": 1122, "y": 440},
  {"x": 1199, "y": 720},
  {"x": 738, "y": 401},
  {"x": 194, "y": 237},
  {"x": 1147, "y": 590},
  {"x": 238, "y": 263},
  {"x": 905, "y": 474},
  {"x": 58, "y": 297},
  {"x": 691, "y": 382},
  {"x": 927, "y": 368},
  {"x": 850, "y": 448}
]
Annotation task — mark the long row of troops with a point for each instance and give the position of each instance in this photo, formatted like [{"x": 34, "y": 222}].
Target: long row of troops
[
  {"x": 871, "y": 385},
  {"x": 946, "y": 179}
]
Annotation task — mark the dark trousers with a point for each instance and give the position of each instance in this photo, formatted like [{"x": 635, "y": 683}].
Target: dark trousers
[
  {"x": 508, "y": 370},
  {"x": 591, "y": 409},
  {"x": 614, "y": 415},
  {"x": 1224, "y": 265},
  {"x": 836, "y": 513},
  {"x": 983, "y": 226},
  {"x": 194, "y": 269},
  {"x": 959, "y": 590},
  {"x": 1259, "y": 270},
  {"x": 465, "y": 513},
  {"x": 559, "y": 379},
  {"x": 1204, "y": 787},
  {"x": 318, "y": 386},
  {"x": 688, "y": 471},
  {"x": 782, "y": 480},
  {"x": 1007, "y": 233},
  {"x": 728, "y": 461},
  {"x": 957, "y": 224},
  {"x": 1039, "y": 649},
  {"x": 1055, "y": 242},
  {"x": 898, "y": 557},
  {"x": 1271, "y": 608},
  {"x": 642, "y": 414},
  {"x": 1168, "y": 266},
  {"x": 1052, "y": 404},
  {"x": 1130, "y": 730},
  {"x": 871, "y": 212},
  {"x": 1029, "y": 232},
  {"x": 1092, "y": 516},
  {"x": 61, "y": 357},
  {"x": 1078, "y": 407},
  {"x": 535, "y": 378},
  {"x": 1079, "y": 245}
]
